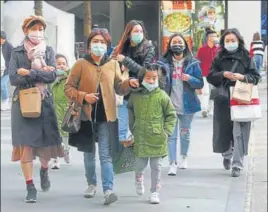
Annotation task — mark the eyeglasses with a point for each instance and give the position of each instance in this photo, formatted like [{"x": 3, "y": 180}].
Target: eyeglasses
[{"x": 100, "y": 29}]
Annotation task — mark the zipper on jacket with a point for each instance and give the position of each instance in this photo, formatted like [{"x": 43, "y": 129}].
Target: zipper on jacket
[{"x": 95, "y": 112}]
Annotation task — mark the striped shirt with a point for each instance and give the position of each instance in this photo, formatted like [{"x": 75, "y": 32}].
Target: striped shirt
[{"x": 257, "y": 47}]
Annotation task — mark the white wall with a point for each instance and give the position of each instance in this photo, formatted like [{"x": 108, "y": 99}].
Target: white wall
[
  {"x": 60, "y": 26},
  {"x": 246, "y": 17},
  {"x": 2, "y": 15}
]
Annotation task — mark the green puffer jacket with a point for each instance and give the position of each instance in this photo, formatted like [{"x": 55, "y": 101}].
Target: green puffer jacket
[
  {"x": 61, "y": 102},
  {"x": 152, "y": 119}
]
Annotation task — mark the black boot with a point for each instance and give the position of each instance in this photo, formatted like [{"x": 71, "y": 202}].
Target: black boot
[
  {"x": 227, "y": 164},
  {"x": 235, "y": 172},
  {"x": 45, "y": 183},
  {"x": 31, "y": 194}
]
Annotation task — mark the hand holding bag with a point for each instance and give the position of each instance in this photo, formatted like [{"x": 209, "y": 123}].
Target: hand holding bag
[
  {"x": 242, "y": 92},
  {"x": 30, "y": 102},
  {"x": 221, "y": 93},
  {"x": 72, "y": 119}
]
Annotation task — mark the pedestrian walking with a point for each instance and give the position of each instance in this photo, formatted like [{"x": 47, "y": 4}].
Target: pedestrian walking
[
  {"x": 61, "y": 104},
  {"x": 133, "y": 52},
  {"x": 257, "y": 50},
  {"x": 32, "y": 64},
  {"x": 185, "y": 77},
  {"x": 6, "y": 49},
  {"x": 206, "y": 54},
  {"x": 231, "y": 64},
  {"x": 152, "y": 119},
  {"x": 92, "y": 84}
]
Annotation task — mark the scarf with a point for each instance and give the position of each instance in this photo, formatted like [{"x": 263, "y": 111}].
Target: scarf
[{"x": 36, "y": 54}]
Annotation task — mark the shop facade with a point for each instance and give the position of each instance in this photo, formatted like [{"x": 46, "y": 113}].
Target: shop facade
[{"x": 191, "y": 18}]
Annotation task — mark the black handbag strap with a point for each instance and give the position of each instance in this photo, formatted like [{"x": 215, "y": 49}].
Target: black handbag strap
[{"x": 234, "y": 66}]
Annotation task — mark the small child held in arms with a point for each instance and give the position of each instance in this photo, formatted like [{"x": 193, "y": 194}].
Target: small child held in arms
[
  {"x": 152, "y": 119},
  {"x": 61, "y": 103}
]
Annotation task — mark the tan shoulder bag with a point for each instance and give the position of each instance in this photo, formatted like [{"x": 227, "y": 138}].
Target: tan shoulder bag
[{"x": 30, "y": 102}]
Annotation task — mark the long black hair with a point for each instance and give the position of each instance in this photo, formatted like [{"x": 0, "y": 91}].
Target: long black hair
[
  {"x": 124, "y": 42},
  {"x": 241, "y": 43},
  {"x": 187, "y": 54}
]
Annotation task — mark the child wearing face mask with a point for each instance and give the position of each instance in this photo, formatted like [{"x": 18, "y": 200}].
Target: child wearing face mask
[
  {"x": 152, "y": 119},
  {"x": 61, "y": 104}
]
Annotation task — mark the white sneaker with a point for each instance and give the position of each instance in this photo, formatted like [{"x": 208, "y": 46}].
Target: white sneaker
[
  {"x": 183, "y": 163},
  {"x": 172, "y": 169},
  {"x": 154, "y": 198},
  {"x": 140, "y": 185},
  {"x": 55, "y": 164},
  {"x": 90, "y": 191},
  {"x": 5, "y": 105},
  {"x": 67, "y": 156},
  {"x": 109, "y": 197}
]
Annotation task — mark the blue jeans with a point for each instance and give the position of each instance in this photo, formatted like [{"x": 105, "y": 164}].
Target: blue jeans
[
  {"x": 184, "y": 123},
  {"x": 258, "y": 60},
  {"x": 123, "y": 121},
  {"x": 107, "y": 172},
  {"x": 4, "y": 87}
]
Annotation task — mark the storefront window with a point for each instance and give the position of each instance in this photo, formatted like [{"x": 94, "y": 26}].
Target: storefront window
[{"x": 191, "y": 18}]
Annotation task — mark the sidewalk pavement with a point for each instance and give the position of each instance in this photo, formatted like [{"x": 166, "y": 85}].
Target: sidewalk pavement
[
  {"x": 204, "y": 187},
  {"x": 256, "y": 198}
]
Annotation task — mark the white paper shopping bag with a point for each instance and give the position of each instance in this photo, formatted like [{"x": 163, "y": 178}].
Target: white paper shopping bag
[{"x": 242, "y": 112}]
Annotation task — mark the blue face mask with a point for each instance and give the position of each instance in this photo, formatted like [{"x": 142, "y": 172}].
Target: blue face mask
[
  {"x": 137, "y": 38},
  {"x": 216, "y": 41},
  {"x": 231, "y": 47},
  {"x": 60, "y": 72},
  {"x": 150, "y": 87},
  {"x": 98, "y": 49}
]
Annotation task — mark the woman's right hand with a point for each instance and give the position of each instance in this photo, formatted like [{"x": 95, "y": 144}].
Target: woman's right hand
[
  {"x": 23, "y": 72},
  {"x": 91, "y": 98},
  {"x": 228, "y": 75}
]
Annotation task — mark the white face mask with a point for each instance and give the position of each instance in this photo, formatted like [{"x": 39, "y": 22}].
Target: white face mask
[
  {"x": 231, "y": 47},
  {"x": 36, "y": 36}
]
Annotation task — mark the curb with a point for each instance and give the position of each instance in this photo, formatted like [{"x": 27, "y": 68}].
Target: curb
[{"x": 249, "y": 177}]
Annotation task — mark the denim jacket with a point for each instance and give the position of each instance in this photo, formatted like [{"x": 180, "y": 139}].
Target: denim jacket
[{"x": 192, "y": 67}]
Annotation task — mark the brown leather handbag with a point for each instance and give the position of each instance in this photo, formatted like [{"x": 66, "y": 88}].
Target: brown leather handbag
[{"x": 30, "y": 102}]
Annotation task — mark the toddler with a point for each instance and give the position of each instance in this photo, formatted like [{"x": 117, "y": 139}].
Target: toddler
[{"x": 152, "y": 119}]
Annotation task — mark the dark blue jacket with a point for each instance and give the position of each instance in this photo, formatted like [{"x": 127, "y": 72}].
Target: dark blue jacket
[
  {"x": 6, "y": 51},
  {"x": 192, "y": 67}
]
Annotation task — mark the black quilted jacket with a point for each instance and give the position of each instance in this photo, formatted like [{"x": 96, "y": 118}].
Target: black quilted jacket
[{"x": 137, "y": 57}]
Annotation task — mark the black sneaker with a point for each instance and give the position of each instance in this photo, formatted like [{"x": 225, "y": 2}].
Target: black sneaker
[
  {"x": 45, "y": 183},
  {"x": 235, "y": 172},
  {"x": 31, "y": 194},
  {"x": 227, "y": 164}
]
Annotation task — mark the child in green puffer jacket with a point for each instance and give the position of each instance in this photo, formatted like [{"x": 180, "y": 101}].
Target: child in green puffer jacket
[
  {"x": 152, "y": 119},
  {"x": 61, "y": 103}
]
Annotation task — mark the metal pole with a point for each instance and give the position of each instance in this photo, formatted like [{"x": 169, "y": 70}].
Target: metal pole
[{"x": 2, "y": 15}]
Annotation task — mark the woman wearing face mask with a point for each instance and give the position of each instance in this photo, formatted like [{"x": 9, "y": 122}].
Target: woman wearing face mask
[
  {"x": 231, "y": 138},
  {"x": 133, "y": 52},
  {"x": 185, "y": 77},
  {"x": 32, "y": 65},
  {"x": 92, "y": 83},
  {"x": 61, "y": 104}
]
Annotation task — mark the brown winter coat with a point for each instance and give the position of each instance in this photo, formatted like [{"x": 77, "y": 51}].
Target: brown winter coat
[{"x": 84, "y": 78}]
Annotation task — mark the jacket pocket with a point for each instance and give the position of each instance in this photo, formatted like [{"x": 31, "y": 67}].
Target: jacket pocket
[{"x": 157, "y": 129}]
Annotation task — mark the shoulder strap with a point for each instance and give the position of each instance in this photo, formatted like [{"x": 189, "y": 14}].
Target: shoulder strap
[{"x": 234, "y": 66}]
